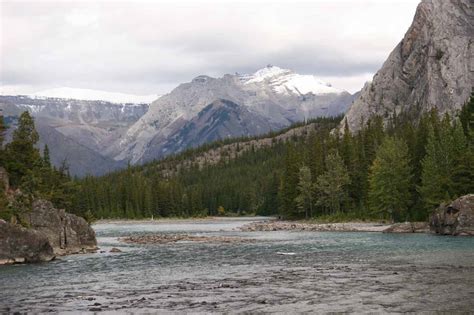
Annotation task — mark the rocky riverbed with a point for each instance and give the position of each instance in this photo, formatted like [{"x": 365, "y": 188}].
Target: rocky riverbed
[
  {"x": 277, "y": 225},
  {"x": 174, "y": 238},
  {"x": 281, "y": 271}
]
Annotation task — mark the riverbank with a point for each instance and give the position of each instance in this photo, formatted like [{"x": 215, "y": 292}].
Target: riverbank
[
  {"x": 262, "y": 224},
  {"x": 277, "y": 225},
  {"x": 179, "y": 220}
]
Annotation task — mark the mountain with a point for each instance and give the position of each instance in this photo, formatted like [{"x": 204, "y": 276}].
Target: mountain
[
  {"x": 96, "y": 136},
  {"x": 76, "y": 131},
  {"x": 95, "y": 95},
  {"x": 432, "y": 67},
  {"x": 219, "y": 120},
  {"x": 278, "y": 96}
]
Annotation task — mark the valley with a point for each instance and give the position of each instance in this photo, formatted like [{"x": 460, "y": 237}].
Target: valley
[{"x": 140, "y": 173}]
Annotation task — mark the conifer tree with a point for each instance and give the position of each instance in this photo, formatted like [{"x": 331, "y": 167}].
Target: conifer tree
[
  {"x": 46, "y": 158},
  {"x": 21, "y": 154},
  {"x": 332, "y": 184},
  {"x": 390, "y": 179},
  {"x": 3, "y": 128},
  {"x": 438, "y": 165},
  {"x": 304, "y": 200}
]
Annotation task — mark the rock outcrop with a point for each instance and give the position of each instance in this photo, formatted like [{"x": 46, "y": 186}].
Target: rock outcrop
[
  {"x": 432, "y": 67},
  {"x": 66, "y": 233},
  {"x": 408, "y": 227},
  {"x": 456, "y": 218},
  {"x": 19, "y": 245}
]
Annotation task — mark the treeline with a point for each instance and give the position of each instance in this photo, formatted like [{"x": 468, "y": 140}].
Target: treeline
[
  {"x": 30, "y": 173},
  {"x": 399, "y": 171}
]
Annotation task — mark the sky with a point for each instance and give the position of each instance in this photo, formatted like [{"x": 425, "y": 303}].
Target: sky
[{"x": 149, "y": 47}]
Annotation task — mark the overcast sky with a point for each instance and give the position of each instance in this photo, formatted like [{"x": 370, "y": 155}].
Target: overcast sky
[{"x": 148, "y": 47}]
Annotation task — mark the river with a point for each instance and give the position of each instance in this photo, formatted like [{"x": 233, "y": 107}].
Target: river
[{"x": 281, "y": 271}]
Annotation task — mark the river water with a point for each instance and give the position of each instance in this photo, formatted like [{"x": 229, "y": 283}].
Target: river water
[{"x": 283, "y": 272}]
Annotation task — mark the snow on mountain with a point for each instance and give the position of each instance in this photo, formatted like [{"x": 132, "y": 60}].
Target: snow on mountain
[
  {"x": 280, "y": 96},
  {"x": 285, "y": 81},
  {"x": 95, "y": 95}
]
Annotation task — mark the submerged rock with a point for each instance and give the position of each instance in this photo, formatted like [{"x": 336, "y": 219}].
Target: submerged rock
[
  {"x": 456, "y": 218},
  {"x": 115, "y": 250},
  {"x": 20, "y": 245}
]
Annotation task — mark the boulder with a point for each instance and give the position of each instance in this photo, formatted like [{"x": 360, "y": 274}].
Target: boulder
[
  {"x": 19, "y": 245},
  {"x": 456, "y": 218},
  {"x": 408, "y": 227},
  {"x": 67, "y": 233}
]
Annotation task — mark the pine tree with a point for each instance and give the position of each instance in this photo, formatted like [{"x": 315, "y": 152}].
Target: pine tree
[
  {"x": 390, "y": 179},
  {"x": 46, "y": 158},
  {"x": 288, "y": 192},
  {"x": 466, "y": 116},
  {"x": 332, "y": 184},
  {"x": 3, "y": 128},
  {"x": 21, "y": 154},
  {"x": 304, "y": 200},
  {"x": 438, "y": 165}
]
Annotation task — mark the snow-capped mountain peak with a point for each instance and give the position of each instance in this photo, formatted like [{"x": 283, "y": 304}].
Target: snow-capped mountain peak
[
  {"x": 284, "y": 81},
  {"x": 265, "y": 73},
  {"x": 95, "y": 95}
]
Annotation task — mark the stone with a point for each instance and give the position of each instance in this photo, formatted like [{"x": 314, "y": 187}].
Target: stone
[
  {"x": 408, "y": 227},
  {"x": 19, "y": 245},
  {"x": 456, "y": 218},
  {"x": 67, "y": 233},
  {"x": 115, "y": 250},
  {"x": 432, "y": 67}
]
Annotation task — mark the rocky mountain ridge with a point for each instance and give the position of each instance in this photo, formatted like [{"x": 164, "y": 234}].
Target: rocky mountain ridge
[
  {"x": 96, "y": 137},
  {"x": 280, "y": 96},
  {"x": 432, "y": 67}
]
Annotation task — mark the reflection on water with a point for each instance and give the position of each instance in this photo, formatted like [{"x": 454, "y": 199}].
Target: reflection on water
[{"x": 281, "y": 272}]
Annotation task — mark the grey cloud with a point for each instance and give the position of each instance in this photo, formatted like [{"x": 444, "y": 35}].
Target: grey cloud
[{"x": 151, "y": 46}]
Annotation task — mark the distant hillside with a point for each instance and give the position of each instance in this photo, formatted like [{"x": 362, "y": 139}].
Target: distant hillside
[{"x": 78, "y": 130}]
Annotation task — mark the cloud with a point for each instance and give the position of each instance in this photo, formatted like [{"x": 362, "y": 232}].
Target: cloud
[{"x": 150, "y": 46}]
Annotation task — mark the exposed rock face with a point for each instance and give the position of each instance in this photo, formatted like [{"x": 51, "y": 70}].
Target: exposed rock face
[
  {"x": 18, "y": 245},
  {"x": 67, "y": 233},
  {"x": 432, "y": 67},
  {"x": 456, "y": 218}
]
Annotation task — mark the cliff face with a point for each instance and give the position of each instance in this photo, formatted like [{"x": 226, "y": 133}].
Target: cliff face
[
  {"x": 432, "y": 67},
  {"x": 67, "y": 233},
  {"x": 51, "y": 232}
]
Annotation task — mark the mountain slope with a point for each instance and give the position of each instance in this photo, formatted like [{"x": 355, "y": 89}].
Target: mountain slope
[
  {"x": 75, "y": 130},
  {"x": 222, "y": 119},
  {"x": 432, "y": 67},
  {"x": 280, "y": 96}
]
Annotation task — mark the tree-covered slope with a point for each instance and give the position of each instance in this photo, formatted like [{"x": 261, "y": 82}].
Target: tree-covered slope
[{"x": 398, "y": 172}]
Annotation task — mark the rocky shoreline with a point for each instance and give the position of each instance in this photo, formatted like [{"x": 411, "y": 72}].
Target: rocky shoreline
[
  {"x": 50, "y": 232},
  {"x": 277, "y": 225},
  {"x": 174, "y": 238}
]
